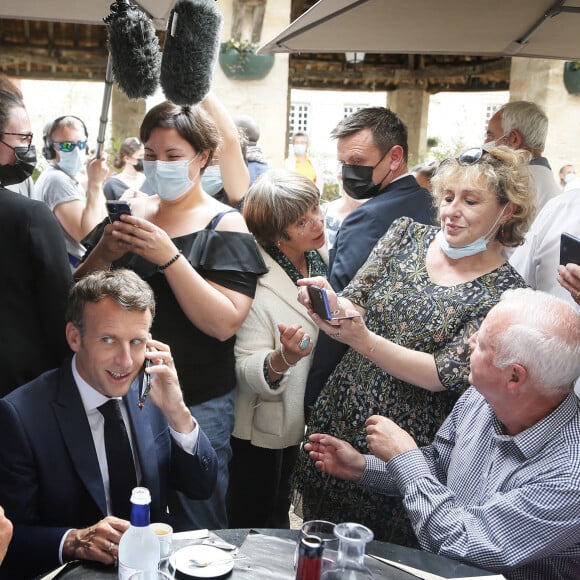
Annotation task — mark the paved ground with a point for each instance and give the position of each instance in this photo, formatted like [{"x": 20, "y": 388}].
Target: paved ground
[{"x": 295, "y": 521}]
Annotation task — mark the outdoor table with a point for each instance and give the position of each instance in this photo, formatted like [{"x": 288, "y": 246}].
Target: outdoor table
[{"x": 269, "y": 553}]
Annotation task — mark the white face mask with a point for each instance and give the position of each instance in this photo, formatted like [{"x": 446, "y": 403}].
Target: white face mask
[
  {"x": 72, "y": 162},
  {"x": 170, "y": 179}
]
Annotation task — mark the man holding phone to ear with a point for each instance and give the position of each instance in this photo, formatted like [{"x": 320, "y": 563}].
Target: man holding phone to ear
[
  {"x": 78, "y": 207},
  {"x": 65, "y": 488}
]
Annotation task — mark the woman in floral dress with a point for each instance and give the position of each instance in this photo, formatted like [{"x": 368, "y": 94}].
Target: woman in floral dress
[{"x": 422, "y": 292}]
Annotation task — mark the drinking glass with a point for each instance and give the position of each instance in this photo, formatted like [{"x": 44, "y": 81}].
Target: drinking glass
[
  {"x": 325, "y": 531},
  {"x": 151, "y": 575},
  {"x": 349, "y": 563}
]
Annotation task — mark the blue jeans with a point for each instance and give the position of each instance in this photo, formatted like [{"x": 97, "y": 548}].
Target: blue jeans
[{"x": 216, "y": 418}]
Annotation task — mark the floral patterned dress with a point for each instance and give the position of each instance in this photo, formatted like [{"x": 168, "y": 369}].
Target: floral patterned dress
[{"x": 405, "y": 306}]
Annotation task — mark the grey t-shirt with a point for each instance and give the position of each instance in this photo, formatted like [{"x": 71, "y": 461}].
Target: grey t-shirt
[{"x": 54, "y": 187}]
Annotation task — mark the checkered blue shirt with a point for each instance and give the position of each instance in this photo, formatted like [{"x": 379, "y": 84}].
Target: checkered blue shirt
[{"x": 506, "y": 504}]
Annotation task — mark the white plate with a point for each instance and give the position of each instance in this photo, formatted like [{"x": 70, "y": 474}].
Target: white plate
[{"x": 180, "y": 561}]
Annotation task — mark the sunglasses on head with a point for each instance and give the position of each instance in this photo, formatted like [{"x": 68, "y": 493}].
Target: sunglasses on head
[
  {"x": 68, "y": 146},
  {"x": 470, "y": 156}
]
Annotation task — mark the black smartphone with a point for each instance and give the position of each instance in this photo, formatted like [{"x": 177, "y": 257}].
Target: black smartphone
[
  {"x": 117, "y": 208},
  {"x": 320, "y": 305},
  {"x": 319, "y": 302},
  {"x": 569, "y": 249},
  {"x": 146, "y": 387}
]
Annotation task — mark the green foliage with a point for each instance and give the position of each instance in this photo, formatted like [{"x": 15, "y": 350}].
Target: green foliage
[
  {"x": 240, "y": 46},
  {"x": 330, "y": 192}
]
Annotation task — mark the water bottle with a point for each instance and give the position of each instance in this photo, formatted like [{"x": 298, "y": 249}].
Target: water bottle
[{"x": 139, "y": 547}]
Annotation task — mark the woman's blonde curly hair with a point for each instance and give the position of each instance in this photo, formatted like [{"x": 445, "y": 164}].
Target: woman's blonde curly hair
[{"x": 506, "y": 172}]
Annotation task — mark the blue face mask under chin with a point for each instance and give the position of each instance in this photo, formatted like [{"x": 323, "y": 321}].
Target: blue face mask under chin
[
  {"x": 479, "y": 245},
  {"x": 476, "y": 247}
]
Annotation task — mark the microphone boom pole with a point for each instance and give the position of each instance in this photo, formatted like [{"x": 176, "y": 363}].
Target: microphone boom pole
[
  {"x": 134, "y": 58},
  {"x": 105, "y": 107}
]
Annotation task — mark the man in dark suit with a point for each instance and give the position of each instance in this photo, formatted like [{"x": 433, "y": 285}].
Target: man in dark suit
[
  {"x": 36, "y": 275},
  {"x": 372, "y": 148},
  {"x": 55, "y": 473}
]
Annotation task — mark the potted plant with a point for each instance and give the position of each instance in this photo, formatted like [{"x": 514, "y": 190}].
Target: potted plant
[
  {"x": 238, "y": 60},
  {"x": 572, "y": 76}
]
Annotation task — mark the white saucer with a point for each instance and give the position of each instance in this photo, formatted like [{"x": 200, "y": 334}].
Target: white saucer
[{"x": 180, "y": 561}]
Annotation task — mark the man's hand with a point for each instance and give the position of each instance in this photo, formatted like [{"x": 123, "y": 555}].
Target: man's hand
[
  {"x": 569, "y": 278},
  {"x": 165, "y": 389},
  {"x": 97, "y": 173},
  {"x": 5, "y": 534},
  {"x": 99, "y": 542},
  {"x": 386, "y": 439},
  {"x": 335, "y": 456}
]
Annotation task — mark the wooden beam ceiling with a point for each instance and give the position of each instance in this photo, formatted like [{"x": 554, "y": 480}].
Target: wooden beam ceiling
[{"x": 67, "y": 51}]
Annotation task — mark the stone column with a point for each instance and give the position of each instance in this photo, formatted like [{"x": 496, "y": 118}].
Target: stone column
[
  {"x": 412, "y": 106},
  {"x": 541, "y": 81}
]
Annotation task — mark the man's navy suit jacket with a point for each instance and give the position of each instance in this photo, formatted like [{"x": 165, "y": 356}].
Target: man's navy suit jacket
[
  {"x": 50, "y": 479},
  {"x": 358, "y": 235}
]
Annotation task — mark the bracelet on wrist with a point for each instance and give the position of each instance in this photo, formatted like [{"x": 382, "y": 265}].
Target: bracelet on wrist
[
  {"x": 288, "y": 364},
  {"x": 269, "y": 359},
  {"x": 172, "y": 261}
]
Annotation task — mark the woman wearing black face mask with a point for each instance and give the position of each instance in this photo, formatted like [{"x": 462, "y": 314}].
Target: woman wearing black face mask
[
  {"x": 36, "y": 273},
  {"x": 129, "y": 181}
]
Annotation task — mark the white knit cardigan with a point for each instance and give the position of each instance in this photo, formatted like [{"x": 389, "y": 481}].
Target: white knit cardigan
[{"x": 271, "y": 418}]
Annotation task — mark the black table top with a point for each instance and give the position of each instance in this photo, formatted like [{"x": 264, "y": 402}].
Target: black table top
[{"x": 419, "y": 559}]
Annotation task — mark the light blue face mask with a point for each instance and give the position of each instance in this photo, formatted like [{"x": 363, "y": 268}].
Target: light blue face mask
[
  {"x": 476, "y": 247},
  {"x": 569, "y": 177},
  {"x": 72, "y": 162},
  {"x": 170, "y": 179},
  {"x": 211, "y": 180},
  {"x": 299, "y": 149}
]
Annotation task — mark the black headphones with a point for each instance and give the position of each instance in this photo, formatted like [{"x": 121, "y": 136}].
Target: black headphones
[{"x": 48, "y": 149}]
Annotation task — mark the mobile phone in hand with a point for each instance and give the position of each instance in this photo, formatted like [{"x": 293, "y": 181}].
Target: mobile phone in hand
[
  {"x": 116, "y": 209},
  {"x": 569, "y": 249},
  {"x": 320, "y": 305},
  {"x": 319, "y": 302}
]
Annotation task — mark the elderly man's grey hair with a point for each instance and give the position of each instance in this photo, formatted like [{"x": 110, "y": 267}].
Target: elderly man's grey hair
[{"x": 545, "y": 339}]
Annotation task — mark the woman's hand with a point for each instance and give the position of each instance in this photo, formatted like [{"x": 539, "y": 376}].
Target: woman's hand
[
  {"x": 321, "y": 282},
  {"x": 295, "y": 341},
  {"x": 143, "y": 238}
]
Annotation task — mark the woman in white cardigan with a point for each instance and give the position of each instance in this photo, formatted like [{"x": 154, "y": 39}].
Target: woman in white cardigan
[{"x": 273, "y": 347}]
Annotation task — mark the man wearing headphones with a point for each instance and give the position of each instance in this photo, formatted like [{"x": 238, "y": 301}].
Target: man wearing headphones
[{"x": 77, "y": 209}]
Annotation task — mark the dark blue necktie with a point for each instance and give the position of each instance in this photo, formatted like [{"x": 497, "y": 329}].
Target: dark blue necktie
[{"x": 122, "y": 478}]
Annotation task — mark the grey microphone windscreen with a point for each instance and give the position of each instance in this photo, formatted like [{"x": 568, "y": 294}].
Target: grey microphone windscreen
[
  {"x": 190, "y": 50},
  {"x": 134, "y": 50}
]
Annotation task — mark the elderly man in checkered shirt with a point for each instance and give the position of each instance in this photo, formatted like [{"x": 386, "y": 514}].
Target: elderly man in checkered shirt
[{"x": 499, "y": 487}]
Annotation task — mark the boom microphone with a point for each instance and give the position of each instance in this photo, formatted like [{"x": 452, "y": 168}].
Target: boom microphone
[
  {"x": 133, "y": 49},
  {"x": 190, "y": 50}
]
